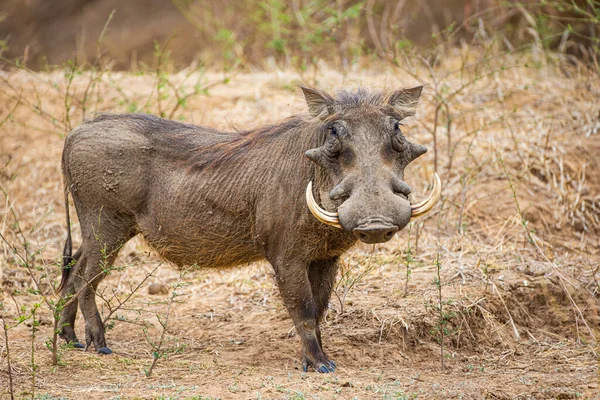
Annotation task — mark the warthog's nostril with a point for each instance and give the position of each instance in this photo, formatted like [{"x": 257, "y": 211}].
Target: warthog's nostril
[{"x": 375, "y": 233}]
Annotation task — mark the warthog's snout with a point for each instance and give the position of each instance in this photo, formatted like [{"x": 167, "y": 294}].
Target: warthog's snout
[{"x": 375, "y": 232}]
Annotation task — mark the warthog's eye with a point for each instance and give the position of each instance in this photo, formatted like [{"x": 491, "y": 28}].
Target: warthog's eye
[
  {"x": 336, "y": 129},
  {"x": 333, "y": 145},
  {"x": 398, "y": 141}
]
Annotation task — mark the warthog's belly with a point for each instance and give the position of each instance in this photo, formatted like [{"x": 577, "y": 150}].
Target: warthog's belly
[{"x": 203, "y": 239}]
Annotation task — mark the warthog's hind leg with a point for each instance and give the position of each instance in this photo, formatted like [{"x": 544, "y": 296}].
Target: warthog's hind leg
[
  {"x": 102, "y": 241},
  {"x": 69, "y": 312}
]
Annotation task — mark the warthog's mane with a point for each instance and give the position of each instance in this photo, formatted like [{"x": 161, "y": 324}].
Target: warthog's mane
[
  {"x": 350, "y": 101},
  {"x": 200, "y": 147},
  {"x": 240, "y": 143},
  {"x": 360, "y": 97}
]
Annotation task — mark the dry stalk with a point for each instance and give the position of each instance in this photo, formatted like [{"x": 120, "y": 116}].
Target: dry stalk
[
  {"x": 532, "y": 239},
  {"x": 108, "y": 302},
  {"x": 441, "y": 307},
  {"x": 33, "y": 366},
  {"x": 18, "y": 96},
  {"x": 351, "y": 277},
  {"x": 408, "y": 259},
  {"x": 157, "y": 348},
  {"x": 182, "y": 99},
  {"x": 5, "y": 329},
  {"x": 27, "y": 260},
  {"x": 510, "y": 318}
]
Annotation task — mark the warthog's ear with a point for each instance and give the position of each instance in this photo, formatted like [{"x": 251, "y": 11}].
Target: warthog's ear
[
  {"x": 405, "y": 100},
  {"x": 320, "y": 104}
]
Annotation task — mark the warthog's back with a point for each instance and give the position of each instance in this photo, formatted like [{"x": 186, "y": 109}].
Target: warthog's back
[{"x": 136, "y": 169}]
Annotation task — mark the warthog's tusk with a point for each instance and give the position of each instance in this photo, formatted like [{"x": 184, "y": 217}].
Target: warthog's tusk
[
  {"x": 326, "y": 217},
  {"x": 332, "y": 218},
  {"x": 426, "y": 205}
]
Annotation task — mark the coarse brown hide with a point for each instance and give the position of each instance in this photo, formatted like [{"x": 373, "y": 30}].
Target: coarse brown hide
[{"x": 215, "y": 199}]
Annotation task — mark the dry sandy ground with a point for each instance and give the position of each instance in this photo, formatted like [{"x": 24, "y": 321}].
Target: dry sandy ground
[{"x": 523, "y": 316}]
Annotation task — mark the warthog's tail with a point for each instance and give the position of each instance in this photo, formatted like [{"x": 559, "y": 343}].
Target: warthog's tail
[{"x": 68, "y": 260}]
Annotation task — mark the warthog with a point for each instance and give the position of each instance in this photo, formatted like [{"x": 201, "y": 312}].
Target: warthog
[{"x": 212, "y": 199}]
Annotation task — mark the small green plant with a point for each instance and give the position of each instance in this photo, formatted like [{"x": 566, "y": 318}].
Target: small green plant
[
  {"x": 44, "y": 290},
  {"x": 233, "y": 388},
  {"x": 443, "y": 326},
  {"x": 408, "y": 260},
  {"x": 27, "y": 260},
  {"x": 158, "y": 348},
  {"x": 351, "y": 275},
  {"x": 45, "y": 396},
  {"x": 6, "y": 328}
]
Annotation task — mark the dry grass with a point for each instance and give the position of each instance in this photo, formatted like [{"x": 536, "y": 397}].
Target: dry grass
[{"x": 516, "y": 235}]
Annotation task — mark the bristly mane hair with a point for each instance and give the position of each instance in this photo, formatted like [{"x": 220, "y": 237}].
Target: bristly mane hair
[
  {"x": 240, "y": 142},
  {"x": 178, "y": 139},
  {"x": 360, "y": 97},
  {"x": 347, "y": 100}
]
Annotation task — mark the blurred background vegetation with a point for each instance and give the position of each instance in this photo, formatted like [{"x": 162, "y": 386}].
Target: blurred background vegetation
[{"x": 258, "y": 34}]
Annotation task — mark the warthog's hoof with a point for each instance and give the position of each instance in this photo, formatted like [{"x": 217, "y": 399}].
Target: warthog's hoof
[
  {"x": 77, "y": 345},
  {"x": 104, "y": 350},
  {"x": 324, "y": 367}
]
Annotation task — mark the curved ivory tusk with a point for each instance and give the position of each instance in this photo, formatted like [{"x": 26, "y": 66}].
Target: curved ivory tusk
[
  {"x": 332, "y": 218},
  {"x": 326, "y": 217},
  {"x": 426, "y": 205}
]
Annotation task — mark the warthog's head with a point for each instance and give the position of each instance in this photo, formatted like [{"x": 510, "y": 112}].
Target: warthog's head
[{"x": 364, "y": 155}]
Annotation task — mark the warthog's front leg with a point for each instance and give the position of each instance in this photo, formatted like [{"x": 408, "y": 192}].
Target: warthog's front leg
[
  {"x": 295, "y": 288},
  {"x": 322, "y": 274}
]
